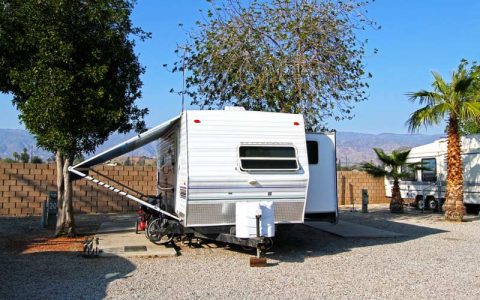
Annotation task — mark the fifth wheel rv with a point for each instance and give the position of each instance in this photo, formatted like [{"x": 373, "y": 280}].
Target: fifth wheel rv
[{"x": 427, "y": 187}]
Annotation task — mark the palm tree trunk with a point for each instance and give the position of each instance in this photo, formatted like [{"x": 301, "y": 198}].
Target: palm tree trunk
[
  {"x": 396, "y": 204},
  {"x": 453, "y": 207}
]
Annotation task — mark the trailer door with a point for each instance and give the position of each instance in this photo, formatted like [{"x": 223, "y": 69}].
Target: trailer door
[{"x": 322, "y": 186}]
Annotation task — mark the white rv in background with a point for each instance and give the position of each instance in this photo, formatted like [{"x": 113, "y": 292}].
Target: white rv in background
[
  {"x": 428, "y": 187},
  {"x": 212, "y": 161}
]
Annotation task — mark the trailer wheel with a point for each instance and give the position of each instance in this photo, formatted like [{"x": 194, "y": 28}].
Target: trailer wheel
[
  {"x": 421, "y": 204},
  {"x": 433, "y": 204},
  {"x": 268, "y": 244}
]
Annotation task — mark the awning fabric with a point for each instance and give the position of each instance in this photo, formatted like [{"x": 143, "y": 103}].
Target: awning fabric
[{"x": 130, "y": 145}]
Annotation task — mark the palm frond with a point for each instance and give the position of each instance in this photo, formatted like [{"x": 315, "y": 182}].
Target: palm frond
[
  {"x": 462, "y": 85},
  {"x": 383, "y": 157},
  {"x": 399, "y": 156},
  {"x": 439, "y": 84},
  {"x": 418, "y": 166},
  {"x": 428, "y": 115},
  {"x": 376, "y": 171},
  {"x": 470, "y": 110},
  {"x": 424, "y": 97}
]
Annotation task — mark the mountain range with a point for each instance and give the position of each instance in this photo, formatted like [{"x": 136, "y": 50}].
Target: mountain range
[{"x": 352, "y": 147}]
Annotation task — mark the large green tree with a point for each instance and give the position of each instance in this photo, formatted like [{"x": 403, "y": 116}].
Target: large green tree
[
  {"x": 457, "y": 101},
  {"x": 295, "y": 56},
  {"x": 74, "y": 77}
]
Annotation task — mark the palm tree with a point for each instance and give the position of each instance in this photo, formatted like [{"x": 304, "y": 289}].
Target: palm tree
[
  {"x": 392, "y": 168},
  {"x": 456, "y": 102},
  {"x": 16, "y": 156}
]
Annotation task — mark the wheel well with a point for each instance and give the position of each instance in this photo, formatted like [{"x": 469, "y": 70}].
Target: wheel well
[{"x": 472, "y": 208}]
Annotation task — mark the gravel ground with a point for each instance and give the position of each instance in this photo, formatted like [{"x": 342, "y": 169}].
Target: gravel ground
[{"x": 435, "y": 260}]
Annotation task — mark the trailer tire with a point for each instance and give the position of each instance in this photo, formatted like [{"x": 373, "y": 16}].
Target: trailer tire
[
  {"x": 421, "y": 204},
  {"x": 433, "y": 204}
]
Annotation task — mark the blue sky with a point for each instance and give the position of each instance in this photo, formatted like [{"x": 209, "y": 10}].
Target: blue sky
[{"x": 417, "y": 37}]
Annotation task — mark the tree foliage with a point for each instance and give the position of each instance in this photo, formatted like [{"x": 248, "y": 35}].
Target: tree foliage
[
  {"x": 472, "y": 126},
  {"x": 24, "y": 156},
  {"x": 36, "y": 160},
  {"x": 72, "y": 70},
  {"x": 393, "y": 165},
  {"x": 458, "y": 100},
  {"x": 74, "y": 77},
  {"x": 296, "y": 56}
]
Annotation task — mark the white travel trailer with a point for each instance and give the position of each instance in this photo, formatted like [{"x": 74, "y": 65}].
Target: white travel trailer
[
  {"x": 212, "y": 161},
  {"x": 427, "y": 187}
]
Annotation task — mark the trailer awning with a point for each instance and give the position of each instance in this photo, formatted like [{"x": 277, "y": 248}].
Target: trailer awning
[{"x": 130, "y": 145}]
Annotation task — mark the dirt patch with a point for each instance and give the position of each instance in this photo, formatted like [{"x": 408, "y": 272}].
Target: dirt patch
[
  {"x": 48, "y": 244},
  {"x": 24, "y": 235}
]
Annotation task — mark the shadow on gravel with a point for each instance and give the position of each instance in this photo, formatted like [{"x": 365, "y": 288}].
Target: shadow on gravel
[
  {"x": 59, "y": 275},
  {"x": 52, "y": 273},
  {"x": 295, "y": 243}
]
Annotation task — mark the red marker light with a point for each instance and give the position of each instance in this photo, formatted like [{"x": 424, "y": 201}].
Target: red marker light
[
  {"x": 196, "y": 121},
  {"x": 296, "y": 123}
]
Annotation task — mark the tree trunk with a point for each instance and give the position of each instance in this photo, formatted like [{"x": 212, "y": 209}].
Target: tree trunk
[
  {"x": 396, "y": 204},
  {"x": 65, "y": 220},
  {"x": 60, "y": 191},
  {"x": 453, "y": 207}
]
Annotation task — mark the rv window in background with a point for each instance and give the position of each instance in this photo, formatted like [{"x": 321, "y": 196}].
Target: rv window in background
[
  {"x": 254, "y": 158},
  {"x": 312, "y": 152},
  {"x": 412, "y": 174},
  {"x": 431, "y": 165}
]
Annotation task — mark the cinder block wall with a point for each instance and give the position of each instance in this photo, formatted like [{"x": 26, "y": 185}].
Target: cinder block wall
[
  {"x": 23, "y": 188},
  {"x": 351, "y": 183}
]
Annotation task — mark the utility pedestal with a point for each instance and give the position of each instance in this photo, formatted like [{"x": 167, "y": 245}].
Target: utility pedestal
[
  {"x": 364, "y": 201},
  {"x": 49, "y": 211}
]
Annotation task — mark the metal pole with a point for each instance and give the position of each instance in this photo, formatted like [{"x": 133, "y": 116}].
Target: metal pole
[
  {"x": 257, "y": 217},
  {"x": 183, "y": 80}
]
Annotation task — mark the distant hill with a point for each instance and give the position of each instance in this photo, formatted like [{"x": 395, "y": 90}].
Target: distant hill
[
  {"x": 352, "y": 147},
  {"x": 14, "y": 140}
]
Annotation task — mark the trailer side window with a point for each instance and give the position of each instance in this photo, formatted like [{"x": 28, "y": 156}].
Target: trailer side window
[
  {"x": 268, "y": 158},
  {"x": 431, "y": 165},
  {"x": 312, "y": 152},
  {"x": 412, "y": 174}
]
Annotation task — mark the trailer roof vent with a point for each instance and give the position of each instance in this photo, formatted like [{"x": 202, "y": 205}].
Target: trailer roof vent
[{"x": 236, "y": 108}]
